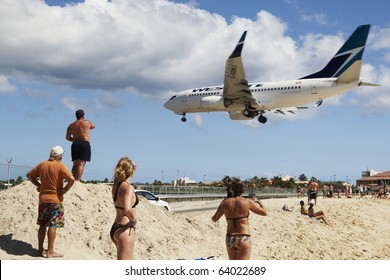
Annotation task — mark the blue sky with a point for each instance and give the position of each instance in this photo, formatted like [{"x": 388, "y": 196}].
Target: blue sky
[{"x": 120, "y": 60}]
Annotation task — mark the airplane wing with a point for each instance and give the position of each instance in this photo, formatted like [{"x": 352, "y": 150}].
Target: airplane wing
[
  {"x": 235, "y": 86},
  {"x": 292, "y": 110}
]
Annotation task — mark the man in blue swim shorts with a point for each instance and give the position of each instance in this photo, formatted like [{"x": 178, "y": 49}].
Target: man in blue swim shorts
[{"x": 78, "y": 134}]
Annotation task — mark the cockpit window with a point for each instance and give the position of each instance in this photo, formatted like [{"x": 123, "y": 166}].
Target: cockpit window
[{"x": 172, "y": 97}]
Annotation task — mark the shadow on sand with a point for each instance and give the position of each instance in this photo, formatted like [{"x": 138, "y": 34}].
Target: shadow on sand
[{"x": 16, "y": 247}]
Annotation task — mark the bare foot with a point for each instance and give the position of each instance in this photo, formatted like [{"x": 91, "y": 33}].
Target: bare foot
[
  {"x": 54, "y": 255},
  {"x": 42, "y": 253}
]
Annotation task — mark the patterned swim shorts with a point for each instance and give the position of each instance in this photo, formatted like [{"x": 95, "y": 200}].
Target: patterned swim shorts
[{"x": 51, "y": 215}]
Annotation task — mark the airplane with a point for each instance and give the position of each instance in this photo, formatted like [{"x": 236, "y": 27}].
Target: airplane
[{"x": 245, "y": 101}]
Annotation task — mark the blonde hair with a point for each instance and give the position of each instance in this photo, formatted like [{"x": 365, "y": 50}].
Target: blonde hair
[{"x": 124, "y": 169}]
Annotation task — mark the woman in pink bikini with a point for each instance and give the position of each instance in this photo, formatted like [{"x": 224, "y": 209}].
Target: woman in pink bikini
[{"x": 236, "y": 210}]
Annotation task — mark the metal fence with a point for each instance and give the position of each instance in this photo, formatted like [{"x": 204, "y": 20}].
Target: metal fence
[
  {"x": 178, "y": 193},
  {"x": 11, "y": 172}
]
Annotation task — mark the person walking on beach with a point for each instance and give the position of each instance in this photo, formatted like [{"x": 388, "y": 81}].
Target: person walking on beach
[
  {"x": 78, "y": 133},
  {"x": 236, "y": 210},
  {"x": 313, "y": 190},
  {"x": 52, "y": 174},
  {"x": 125, "y": 200}
]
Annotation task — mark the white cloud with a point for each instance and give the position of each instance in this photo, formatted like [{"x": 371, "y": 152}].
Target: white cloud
[
  {"x": 5, "y": 86},
  {"x": 319, "y": 18},
  {"x": 198, "y": 120}
]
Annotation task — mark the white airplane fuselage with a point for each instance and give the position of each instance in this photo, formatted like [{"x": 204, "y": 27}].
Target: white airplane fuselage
[{"x": 270, "y": 95}]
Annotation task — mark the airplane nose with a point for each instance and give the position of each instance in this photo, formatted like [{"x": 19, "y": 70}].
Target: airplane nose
[{"x": 168, "y": 105}]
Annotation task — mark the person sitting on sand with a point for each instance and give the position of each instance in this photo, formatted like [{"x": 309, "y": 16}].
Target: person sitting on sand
[
  {"x": 318, "y": 215},
  {"x": 125, "y": 200},
  {"x": 236, "y": 210},
  {"x": 303, "y": 208}
]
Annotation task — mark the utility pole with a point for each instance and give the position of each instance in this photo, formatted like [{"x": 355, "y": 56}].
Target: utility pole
[{"x": 9, "y": 171}]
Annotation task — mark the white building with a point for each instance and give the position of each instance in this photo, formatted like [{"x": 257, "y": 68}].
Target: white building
[{"x": 183, "y": 181}]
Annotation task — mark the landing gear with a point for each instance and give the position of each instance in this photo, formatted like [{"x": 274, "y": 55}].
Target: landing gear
[
  {"x": 262, "y": 119},
  {"x": 184, "y": 119},
  {"x": 247, "y": 113},
  {"x": 250, "y": 114}
]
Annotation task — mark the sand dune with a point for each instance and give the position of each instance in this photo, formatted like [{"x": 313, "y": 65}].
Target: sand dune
[{"x": 359, "y": 228}]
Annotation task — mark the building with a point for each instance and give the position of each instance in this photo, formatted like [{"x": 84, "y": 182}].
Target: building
[
  {"x": 368, "y": 173},
  {"x": 378, "y": 179},
  {"x": 183, "y": 181}
]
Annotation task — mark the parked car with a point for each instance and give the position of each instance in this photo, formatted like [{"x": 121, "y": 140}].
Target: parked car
[{"x": 153, "y": 199}]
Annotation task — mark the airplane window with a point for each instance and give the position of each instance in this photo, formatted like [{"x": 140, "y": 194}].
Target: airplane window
[{"x": 172, "y": 97}]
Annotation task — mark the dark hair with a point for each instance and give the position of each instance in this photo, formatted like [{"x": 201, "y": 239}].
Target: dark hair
[
  {"x": 79, "y": 114},
  {"x": 301, "y": 203},
  {"x": 230, "y": 192},
  {"x": 234, "y": 186}
]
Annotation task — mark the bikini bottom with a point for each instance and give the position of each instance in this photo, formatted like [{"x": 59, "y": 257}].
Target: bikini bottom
[
  {"x": 115, "y": 227},
  {"x": 232, "y": 240}
]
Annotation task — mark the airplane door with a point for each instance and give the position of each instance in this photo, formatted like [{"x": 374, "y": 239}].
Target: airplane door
[
  {"x": 314, "y": 89},
  {"x": 184, "y": 98}
]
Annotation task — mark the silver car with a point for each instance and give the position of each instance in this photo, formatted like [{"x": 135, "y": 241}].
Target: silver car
[{"x": 153, "y": 199}]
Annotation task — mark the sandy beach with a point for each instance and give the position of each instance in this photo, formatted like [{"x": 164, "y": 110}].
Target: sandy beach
[{"x": 359, "y": 228}]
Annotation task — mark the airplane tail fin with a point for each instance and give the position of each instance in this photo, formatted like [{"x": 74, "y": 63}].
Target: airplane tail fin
[
  {"x": 347, "y": 62},
  {"x": 238, "y": 49}
]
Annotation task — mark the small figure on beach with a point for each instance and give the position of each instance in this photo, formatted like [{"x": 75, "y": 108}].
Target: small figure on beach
[
  {"x": 313, "y": 190},
  {"x": 236, "y": 210},
  {"x": 319, "y": 215},
  {"x": 347, "y": 187},
  {"x": 324, "y": 191},
  {"x": 78, "y": 133},
  {"x": 310, "y": 212},
  {"x": 51, "y": 174},
  {"x": 303, "y": 208},
  {"x": 125, "y": 200}
]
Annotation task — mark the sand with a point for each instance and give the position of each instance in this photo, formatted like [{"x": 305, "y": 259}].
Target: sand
[{"x": 359, "y": 228}]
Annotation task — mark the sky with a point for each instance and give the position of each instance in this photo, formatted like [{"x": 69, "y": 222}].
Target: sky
[{"x": 120, "y": 60}]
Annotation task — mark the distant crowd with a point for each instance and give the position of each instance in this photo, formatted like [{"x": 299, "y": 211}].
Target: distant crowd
[{"x": 348, "y": 191}]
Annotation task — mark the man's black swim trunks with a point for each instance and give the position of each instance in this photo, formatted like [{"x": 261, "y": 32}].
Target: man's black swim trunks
[{"x": 81, "y": 150}]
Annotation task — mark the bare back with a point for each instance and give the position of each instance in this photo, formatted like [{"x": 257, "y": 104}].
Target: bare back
[
  {"x": 79, "y": 130},
  {"x": 313, "y": 186},
  {"x": 236, "y": 210}
]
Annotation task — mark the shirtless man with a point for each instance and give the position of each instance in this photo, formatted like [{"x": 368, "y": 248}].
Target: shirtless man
[
  {"x": 78, "y": 134},
  {"x": 236, "y": 210},
  {"x": 313, "y": 190}
]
